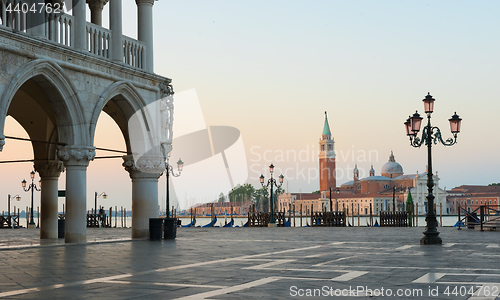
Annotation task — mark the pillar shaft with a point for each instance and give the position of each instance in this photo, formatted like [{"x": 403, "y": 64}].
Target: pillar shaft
[
  {"x": 76, "y": 160},
  {"x": 49, "y": 172},
  {"x": 144, "y": 205},
  {"x": 79, "y": 12},
  {"x": 36, "y": 21},
  {"x": 115, "y": 25},
  {"x": 145, "y": 29},
  {"x": 96, "y": 7},
  {"x": 144, "y": 175}
]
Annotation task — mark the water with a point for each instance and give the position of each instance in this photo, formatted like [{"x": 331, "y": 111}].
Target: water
[{"x": 448, "y": 221}]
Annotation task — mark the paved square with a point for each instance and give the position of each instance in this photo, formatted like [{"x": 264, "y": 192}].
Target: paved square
[{"x": 253, "y": 263}]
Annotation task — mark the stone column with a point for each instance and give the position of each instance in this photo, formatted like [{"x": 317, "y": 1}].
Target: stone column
[
  {"x": 36, "y": 20},
  {"x": 76, "y": 159},
  {"x": 49, "y": 171},
  {"x": 96, "y": 7},
  {"x": 144, "y": 177},
  {"x": 80, "y": 25},
  {"x": 145, "y": 29},
  {"x": 115, "y": 25}
]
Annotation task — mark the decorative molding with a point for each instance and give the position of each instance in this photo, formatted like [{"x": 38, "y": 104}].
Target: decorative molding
[
  {"x": 145, "y": 168},
  {"x": 76, "y": 156},
  {"x": 49, "y": 168}
]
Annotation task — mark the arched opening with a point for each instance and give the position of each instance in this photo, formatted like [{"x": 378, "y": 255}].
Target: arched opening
[
  {"x": 12, "y": 174},
  {"x": 107, "y": 174}
]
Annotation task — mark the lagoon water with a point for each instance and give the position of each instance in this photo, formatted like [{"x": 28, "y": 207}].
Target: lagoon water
[{"x": 363, "y": 221}]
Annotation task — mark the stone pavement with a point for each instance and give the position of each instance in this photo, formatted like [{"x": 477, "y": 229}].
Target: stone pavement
[{"x": 253, "y": 263}]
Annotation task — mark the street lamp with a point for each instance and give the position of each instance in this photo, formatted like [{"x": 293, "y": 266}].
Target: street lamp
[
  {"x": 31, "y": 187},
  {"x": 97, "y": 195},
  {"x": 430, "y": 135},
  {"x": 169, "y": 169},
  {"x": 273, "y": 183},
  {"x": 18, "y": 198}
]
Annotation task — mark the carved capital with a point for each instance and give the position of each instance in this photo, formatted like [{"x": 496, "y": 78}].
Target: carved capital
[
  {"x": 76, "y": 156},
  {"x": 97, "y": 4},
  {"x": 151, "y": 167},
  {"x": 49, "y": 168}
]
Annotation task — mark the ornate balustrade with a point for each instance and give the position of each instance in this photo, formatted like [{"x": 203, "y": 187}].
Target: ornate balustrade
[
  {"x": 133, "y": 52},
  {"x": 98, "y": 40},
  {"x": 59, "y": 28}
]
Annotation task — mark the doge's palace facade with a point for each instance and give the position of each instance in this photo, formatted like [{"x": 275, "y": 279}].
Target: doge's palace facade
[{"x": 58, "y": 74}]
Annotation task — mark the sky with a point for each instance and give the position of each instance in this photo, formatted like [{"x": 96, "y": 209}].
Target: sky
[{"x": 272, "y": 68}]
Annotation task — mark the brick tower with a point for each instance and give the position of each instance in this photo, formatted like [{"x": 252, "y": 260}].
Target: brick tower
[{"x": 327, "y": 176}]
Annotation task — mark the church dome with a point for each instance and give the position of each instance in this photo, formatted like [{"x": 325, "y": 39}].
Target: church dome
[{"x": 391, "y": 168}]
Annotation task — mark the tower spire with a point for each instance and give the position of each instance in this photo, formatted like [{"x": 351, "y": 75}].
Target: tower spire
[{"x": 326, "y": 129}]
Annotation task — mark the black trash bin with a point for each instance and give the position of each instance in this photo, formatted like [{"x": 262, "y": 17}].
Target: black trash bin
[
  {"x": 155, "y": 227},
  {"x": 472, "y": 220},
  {"x": 170, "y": 228},
  {"x": 60, "y": 228}
]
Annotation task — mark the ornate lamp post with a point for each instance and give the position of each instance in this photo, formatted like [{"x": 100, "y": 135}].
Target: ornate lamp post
[
  {"x": 31, "y": 187},
  {"x": 430, "y": 135},
  {"x": 18, "y": 198},
  {"x": 103, "y": 195},
  {"x": 169, "y": 169},
  {"x": 273, "y": 183}
]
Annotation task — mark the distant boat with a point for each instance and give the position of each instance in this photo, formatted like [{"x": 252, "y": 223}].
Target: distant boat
[
  {"x": 230, "y": 224},
  {"x": 190, "y": 224},
  {"x": 376, "y": 224},
  {"x": 211, "y": 224}
]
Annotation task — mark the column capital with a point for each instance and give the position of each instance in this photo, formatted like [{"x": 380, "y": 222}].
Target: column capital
[
  {"x": 150, "y": 2},
  {"x": 49, "y": 168},
  {"x": 147, "y": 167},
  {"x": 96, "y": 4},
  {"x": 76, "y": 155}
]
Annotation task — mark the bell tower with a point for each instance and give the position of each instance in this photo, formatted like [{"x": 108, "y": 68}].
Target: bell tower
[{"x": 327, "y": 175}]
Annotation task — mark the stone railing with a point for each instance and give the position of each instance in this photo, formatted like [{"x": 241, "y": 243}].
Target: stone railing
[
  {"x": 98, "y": 40},
  {"x": 59, "y": 28},
  {"x": 133, "y": 52},
  {"x": 13, "y": 17}
]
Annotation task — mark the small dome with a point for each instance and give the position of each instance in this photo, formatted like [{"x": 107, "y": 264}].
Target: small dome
[{"x": 391, "y": 168}]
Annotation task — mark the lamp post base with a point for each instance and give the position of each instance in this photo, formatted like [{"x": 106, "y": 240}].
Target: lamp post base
[
  {"x": 31, "y": 226},
  {"x": 431, "y": 239}
]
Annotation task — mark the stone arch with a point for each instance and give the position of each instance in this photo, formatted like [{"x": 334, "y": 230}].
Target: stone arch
[
  {"x": 128, "y": 101},
  {"x": 60, "y": 91}
]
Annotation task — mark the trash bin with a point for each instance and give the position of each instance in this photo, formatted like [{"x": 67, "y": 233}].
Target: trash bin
[
  {"x": 170, "y": 228},
  {"x": 155, "y": 226},
  {"x": 60, "y": 228},
  {"x": 472, "y": 220}
]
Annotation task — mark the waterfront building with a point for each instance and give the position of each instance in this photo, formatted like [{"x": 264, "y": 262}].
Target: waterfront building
[
  {"x": 223, "y": 208},
  {"x": 471, "y": 197},
  {"x": 59, "y": 73}
]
